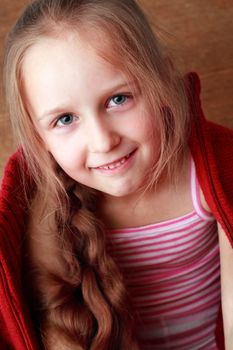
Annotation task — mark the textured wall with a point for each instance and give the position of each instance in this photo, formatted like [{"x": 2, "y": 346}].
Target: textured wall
[{"x": 200, "y": 34}]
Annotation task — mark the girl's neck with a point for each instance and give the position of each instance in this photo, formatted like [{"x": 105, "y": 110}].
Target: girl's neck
[{"x": 165, "y": 201}]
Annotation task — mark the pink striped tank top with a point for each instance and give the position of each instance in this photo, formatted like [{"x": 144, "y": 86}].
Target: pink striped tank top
[{"x": 173, "y": 275}]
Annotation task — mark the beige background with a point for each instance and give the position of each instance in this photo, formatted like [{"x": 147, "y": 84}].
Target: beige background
[{"x": 200, "y": 34}]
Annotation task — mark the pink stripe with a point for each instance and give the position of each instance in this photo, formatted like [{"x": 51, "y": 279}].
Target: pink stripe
[
  {"x": 148, "y": 319},
  {"x": 159, "y": 276},
  {"x": 185, "y": 232},
  {"x": 193, "y": 332},
  {"x": 185, "y": 291},
  {"x": 120, "y": 251},
  {"x": 213, "y": 257},
  {"x": 168, "y": 309},
  {"x": 154, "y": 226},
  {"x": 199, "y": 335},
  {"x": 205, "y": 234},
  {"x": 198, "y": 287},
  {"x": 155, "y": 323},
  {"x": 192, "y": 338},
  {"x": 146, "y": 259},
  {"x": 195, "y": 190},
  {"x": 165, "y": 278}
]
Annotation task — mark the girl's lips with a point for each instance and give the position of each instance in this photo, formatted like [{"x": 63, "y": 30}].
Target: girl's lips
[{"x": 115, "y": 165}]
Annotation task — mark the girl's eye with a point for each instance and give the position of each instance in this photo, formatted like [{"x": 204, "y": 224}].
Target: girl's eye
[
  {"x": 65, "y": 120},
  {"x": 117, "y": 100}
]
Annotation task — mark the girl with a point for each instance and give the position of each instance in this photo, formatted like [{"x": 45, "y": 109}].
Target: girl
[{"x": 121, "y": 247}]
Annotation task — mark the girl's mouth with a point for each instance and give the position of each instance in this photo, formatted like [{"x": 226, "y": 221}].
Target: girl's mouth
[{"x": 117, "y": 164}]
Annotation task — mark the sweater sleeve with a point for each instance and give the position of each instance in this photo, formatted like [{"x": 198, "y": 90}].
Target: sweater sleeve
[
  {"x": 212, "y": 149},
  {"x": 16, "y": 330}
]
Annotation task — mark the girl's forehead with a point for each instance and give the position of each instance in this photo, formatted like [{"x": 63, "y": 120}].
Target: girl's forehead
[
  {"x": 73, "y": 44},
  {"x": 88, "y": 43},
  {"x": 55, "y": 65}
]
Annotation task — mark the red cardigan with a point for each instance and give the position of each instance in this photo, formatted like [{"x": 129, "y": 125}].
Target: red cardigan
[{"x": 212, "y": 149}]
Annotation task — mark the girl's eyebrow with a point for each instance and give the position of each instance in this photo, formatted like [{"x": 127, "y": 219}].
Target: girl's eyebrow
[
  {"x": 51, "y": 112},
  {"x": 109, "y": 90},
  {"x": 127, "y": 84}
]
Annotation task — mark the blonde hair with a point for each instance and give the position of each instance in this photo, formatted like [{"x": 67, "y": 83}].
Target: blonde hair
[{"x": 69, "y": 293}]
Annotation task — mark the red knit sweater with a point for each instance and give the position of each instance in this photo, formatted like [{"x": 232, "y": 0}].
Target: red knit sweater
[{"x": 212, "y": 149}]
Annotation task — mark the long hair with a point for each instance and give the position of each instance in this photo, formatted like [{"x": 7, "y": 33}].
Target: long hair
[{"x": 80, "y": 292}]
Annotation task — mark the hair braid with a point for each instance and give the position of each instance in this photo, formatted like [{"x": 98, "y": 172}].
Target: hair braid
[{"x": 80, "y": 290}]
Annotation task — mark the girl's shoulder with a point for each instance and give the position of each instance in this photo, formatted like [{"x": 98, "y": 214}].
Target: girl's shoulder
[
  {"x": 211, "y": 146},
  {"x": 13, "y": 221}
]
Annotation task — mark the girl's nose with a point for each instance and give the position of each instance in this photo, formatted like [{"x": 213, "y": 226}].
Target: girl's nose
[{"x": 101, "y": 138}]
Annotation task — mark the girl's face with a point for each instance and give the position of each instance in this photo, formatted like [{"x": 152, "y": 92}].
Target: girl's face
[{"x": 89, "y": 116}]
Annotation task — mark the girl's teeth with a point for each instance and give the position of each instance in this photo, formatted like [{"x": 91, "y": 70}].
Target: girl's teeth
[{"x": 116, "y": 165}]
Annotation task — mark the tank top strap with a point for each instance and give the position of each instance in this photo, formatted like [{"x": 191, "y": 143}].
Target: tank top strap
[{"x": 195, "y": 193}]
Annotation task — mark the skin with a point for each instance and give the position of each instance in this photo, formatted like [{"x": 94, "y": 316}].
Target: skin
[
  {"x": 91, "y": 117},
  {"x": 97, "y": 120},
  {"x": 226, "y": 263}
]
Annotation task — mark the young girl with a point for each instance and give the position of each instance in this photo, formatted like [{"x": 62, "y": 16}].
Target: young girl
[{"x": 126, "y": 193}]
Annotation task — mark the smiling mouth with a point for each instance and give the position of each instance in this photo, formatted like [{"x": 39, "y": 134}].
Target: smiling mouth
[{"x": 115, "y": 164}]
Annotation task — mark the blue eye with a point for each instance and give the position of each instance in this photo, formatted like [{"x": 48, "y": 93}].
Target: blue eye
[
  {"x": 65, "y": 120},
  {"x": 117, "y": 100}
]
